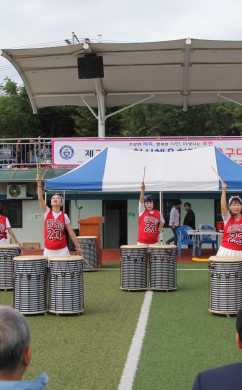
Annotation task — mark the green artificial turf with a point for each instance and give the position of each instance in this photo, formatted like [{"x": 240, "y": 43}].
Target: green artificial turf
[
  {"x": 86, "y": 351},
  {"x": 182, "y": 337},
  {"x": 89, "y": 351}
]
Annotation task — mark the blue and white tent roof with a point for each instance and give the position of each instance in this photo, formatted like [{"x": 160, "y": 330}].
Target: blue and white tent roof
[{"x": 118, "y": 170}]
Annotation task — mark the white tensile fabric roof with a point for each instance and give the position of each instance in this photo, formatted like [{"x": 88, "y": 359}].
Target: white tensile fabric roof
[{"x": 180, "y": 72}]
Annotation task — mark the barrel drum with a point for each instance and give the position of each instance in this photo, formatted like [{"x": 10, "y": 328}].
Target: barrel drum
[
  {"x": 162, "y": 274},
  {"x": 89, "y": 251},
  {"x": 7, "y": 253},
  {"x": 30, "y": 284},
  {"x": 66, "y": 294},
  {"x": 225, "y": 295},
  {"x": 134, "y": 267}
]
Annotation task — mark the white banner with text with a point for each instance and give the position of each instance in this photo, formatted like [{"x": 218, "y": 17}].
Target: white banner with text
[{"x": 73, "y": 152}]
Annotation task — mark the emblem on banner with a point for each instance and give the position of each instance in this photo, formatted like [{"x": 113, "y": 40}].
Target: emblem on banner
[{"x": 66, "y": 152}]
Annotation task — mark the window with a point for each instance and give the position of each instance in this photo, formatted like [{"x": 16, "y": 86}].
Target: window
[{"x": 13, "y": 210}]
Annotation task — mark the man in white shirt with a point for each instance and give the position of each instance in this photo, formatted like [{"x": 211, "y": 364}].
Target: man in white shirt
[{"x": 174, "y": 221}]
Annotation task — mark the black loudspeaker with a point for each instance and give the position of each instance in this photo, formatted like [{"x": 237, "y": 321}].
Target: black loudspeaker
[{"x": 90, "y": 67}]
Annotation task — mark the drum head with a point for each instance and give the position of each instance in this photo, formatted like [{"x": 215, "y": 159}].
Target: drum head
[
  {"x": 160, "y": 246},
  {"x": 134, "y": 246},
  {"x": 225, "y": 259},
  {"x": 87, "y": 237},
  {"x": 9, "y": 246},
  {"x": 29, "y": 258},
  {"x": 67, "y": 258}
]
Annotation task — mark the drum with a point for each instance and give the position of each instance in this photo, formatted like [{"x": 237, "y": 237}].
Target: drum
[
  {"x": 89, "y": 251},
  {"x": 162, "y": 274},
  {"x": 7, "y": 253},
  {"x": 66, "y": 285},
  {"x": 30, "y": 284},
  {"x": 225, "y": 284},
  {"x": 134, "y": 267}
]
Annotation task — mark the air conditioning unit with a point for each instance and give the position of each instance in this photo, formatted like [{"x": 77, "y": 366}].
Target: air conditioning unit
[{"x": 16, "y": 191}]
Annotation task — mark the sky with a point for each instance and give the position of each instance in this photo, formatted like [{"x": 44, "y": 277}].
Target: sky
[{"x": 41, "y": 23}]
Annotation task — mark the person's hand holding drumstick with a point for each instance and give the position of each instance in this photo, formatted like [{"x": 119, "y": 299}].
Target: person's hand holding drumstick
[
  {"x": 224, "y": 209},
  {"x": 142, "y": 192}
]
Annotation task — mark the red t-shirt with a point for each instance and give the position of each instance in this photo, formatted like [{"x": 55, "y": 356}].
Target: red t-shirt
[
  {"x": 54, "y": 231},
  {"x": 3, "y": 233},
  {"x": 149, "y": 227},
  {"x": 232, "y": 237}
]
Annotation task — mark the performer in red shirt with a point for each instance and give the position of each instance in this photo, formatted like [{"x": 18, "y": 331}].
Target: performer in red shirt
[
  {"x": 56, "y": 221},
  {"x": 150, "y": 222},
  {"x": 6, "y": 227},
  {"x": 231, "y": 244}
]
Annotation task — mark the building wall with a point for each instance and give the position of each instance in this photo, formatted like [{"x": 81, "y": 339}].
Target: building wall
[
  {"x": 32, "y": 230},
  {"x": 132, "y": 222},
  {"x": 91, "y": 208}
]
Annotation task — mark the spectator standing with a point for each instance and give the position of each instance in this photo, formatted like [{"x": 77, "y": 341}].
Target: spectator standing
[
  {"x": 174, "y": 221},
  {"x": 31, "y": 151},
  {"x": 189, "y": 219},
  {"x": 20, "y": 151}
]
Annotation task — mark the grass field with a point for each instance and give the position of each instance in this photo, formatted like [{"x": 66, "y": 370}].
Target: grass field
[{"x": 89, "y": 351}]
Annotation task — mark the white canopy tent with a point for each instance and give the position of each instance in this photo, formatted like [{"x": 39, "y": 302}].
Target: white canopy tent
[
  {"x": 180, "y": 72},
  {"x": 116, "y": 170}
]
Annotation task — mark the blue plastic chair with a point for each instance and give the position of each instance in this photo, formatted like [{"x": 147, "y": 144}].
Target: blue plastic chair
[
  {"x": 183, "y": 238},
  {"x": 207, "y": 239}
]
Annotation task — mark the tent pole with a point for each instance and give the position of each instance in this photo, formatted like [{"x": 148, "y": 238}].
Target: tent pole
[
  {"x": 161, "y": 210},
  {"x": 64, "y": 198}
]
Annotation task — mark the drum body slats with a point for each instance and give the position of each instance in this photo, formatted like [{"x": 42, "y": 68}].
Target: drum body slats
[
  {"x": 134, "y": 267},
  {"x": 7, "y": 253},
  {"x": 225, "y": 296},
  {"x": 30, "y": 284},
  {"x": 89, "y": 251},
  {"x": 66, "y": 286},
  {"x": 57, "y": 288},
  {"x": 162, "y": 275}
]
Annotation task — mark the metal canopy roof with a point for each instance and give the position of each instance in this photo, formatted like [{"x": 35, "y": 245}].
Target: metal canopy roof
[{"x": 180, "y": 72}]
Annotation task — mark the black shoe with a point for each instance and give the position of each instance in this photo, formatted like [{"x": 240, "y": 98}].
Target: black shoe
[{"x": 167, "y": 242}]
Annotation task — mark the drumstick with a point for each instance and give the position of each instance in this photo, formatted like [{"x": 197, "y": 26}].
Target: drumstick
[
  {"x": 216, "y": 173},
  {"x": 37, "y": 167},
  {"x": 87, "y": 263},
  {"x": 144, "y": 174}
]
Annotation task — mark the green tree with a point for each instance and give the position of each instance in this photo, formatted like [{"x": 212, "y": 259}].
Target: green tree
[
  {"x": 165, "y": 120},
  {"x": 18, "y": 121},
  {"x": 86, "y": 124},
  {"x": 144, "y": 120}
]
